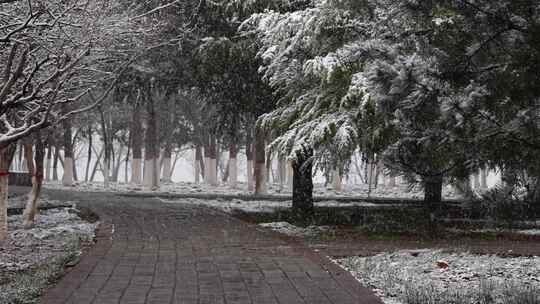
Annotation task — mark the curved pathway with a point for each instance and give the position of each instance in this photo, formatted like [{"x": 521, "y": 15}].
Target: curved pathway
[{"x": 151, "y": 252}]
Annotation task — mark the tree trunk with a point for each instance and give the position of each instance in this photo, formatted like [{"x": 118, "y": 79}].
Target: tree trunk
[
  {"x": 20, "y": 164},
  {"x": 290, "y": 175},
  {"x": 282, "y": 172},
  {"x": 173, "y": 167},
  {"x": 55, "y": 163},
  {"x": 168, "y": 123},
  {"x": 433, "y": 199},
  {"x": 67, "y": 179},
  {"x": 37, "y": 181},
  {"x": 151, "y": 176},
  {"x": 233, "y": 168},
  {"x": 206, "y": 153},
  {"x": 212, "y": 162},
  {"x": 116, "y": 167},
  {"x": 198, "y": 164},
  {"x": 225, "y": 175},
  {"x": 126, "y": 160},
  {"x": 89, "y": 154},
  {"x": 74, "y": 158},
  {"x": 371, "y": 176},
  {"x": 268, "y": 171},
  {"x": 260, "y": 167},
  {"x": 249, "y": 173},
  {"x": 107, "y": 148},
  {"x": 6, "y": 156},
  {"x": 336, "y": 180},
  {"x": 49, "y": 161},
  {"x": 98, "y": 161},
  {"x": 28, "y": 153},
  {"x": 166, "y": 174},
  {"x": 302, "y": 201},
  {"x": 136, "y": 144}
]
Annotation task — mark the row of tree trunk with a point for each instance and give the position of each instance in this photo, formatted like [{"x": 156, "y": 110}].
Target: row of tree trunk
[{"x": 258, "y": 166}]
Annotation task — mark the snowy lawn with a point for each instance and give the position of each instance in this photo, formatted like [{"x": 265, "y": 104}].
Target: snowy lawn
[
  {"x": 30, "y": 259},
  {"x": 435, "y": 276},
  {"x": 401, "y": 191},
  {"x": 292, "y": 230},
  {"x": 257, "y": 206}
]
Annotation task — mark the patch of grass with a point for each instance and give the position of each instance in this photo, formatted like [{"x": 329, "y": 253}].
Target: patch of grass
[
  {"x": 520, "y": 294},
  {"x": 26, "y": 287},
  {"x": 487, "y": 293}
]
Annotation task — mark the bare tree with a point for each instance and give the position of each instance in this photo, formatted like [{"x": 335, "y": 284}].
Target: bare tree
[{"x": 54, "y": 53}]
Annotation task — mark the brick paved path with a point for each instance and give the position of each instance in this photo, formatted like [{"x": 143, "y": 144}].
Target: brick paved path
[{"x": 163, "y": 253}]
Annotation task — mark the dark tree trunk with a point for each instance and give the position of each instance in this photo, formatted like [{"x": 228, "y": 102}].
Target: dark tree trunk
[
  {"x": 168, "y": 127},
  {"x": 433, "y": 199},
  {"x": 137, "y": 132},
  {"x": 199, "y": 160},
  {"x": 206, "y": 154},
  {"x": 73, "y": 145},
  {"x": 249, "y": 156},
  {"x": 302, "y": 203},
  {"x": 89, "y": 154},
  {"x": 68, "y": 143},
  {"x": 126, "y": 160},
  {"x": 106, "y": 147},
  {"x": 55, "y": 162},
  {"x": 260, "y": 163},
  {"x": 269, "y": 172}
]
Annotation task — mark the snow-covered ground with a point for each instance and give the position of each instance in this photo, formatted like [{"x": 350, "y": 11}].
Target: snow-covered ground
[
  {"x": 29, "y": 257},
  {"x": 399, "y": 277},
  {"x": 401, "y": 191},
  {"x": 257, "y": 205},
  {"x": 289, "y": 229}
]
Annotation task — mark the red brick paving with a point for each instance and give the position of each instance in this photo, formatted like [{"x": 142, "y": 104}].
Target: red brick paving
[{"x": 194, "y": 255}]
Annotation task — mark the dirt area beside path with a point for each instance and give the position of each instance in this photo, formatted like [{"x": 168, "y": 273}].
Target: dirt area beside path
[{"x": 348, "y": 242}]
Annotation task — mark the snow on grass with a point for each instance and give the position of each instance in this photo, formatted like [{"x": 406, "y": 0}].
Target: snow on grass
[
  {"x": 30, "y": 258},
  {"x": 292, "y": 230},
  {"x": 53, "y": 229},
  {"x": 401, "y": 191},
  {"x": 256, "y": 206},
  {"x": 410, "y": 277}
]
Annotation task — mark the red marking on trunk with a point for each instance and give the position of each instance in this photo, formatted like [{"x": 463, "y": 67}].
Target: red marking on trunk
[{"x": 4, "y": 173}]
